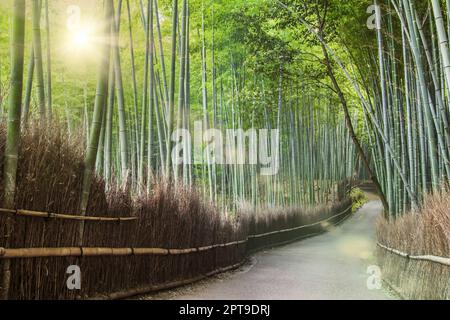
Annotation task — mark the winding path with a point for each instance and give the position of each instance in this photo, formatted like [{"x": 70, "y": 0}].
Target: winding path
[{"x": 330, "y": 266}]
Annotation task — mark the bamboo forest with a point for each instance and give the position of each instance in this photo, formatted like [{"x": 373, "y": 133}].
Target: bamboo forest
[{"x": 155, "y": 149}]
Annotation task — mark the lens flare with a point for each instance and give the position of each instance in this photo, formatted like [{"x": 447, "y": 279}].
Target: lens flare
[
  {"x": 81, "y": 38},
  {"x": 81, "y": 44}
]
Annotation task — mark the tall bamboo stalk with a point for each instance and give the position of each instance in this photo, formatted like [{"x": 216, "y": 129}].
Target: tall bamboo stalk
[
  {"x": 49, "y": 61},
  {"x": 100, "y": 101},
  {"x": 37, "y": 46},
  {"x": 120, "y": 95},
  {"x": 151, "y": 100},
  {"x": 171, "y": 89},
  {"x": 13, "y": 129},
  {"x": 29, "y": 87}
]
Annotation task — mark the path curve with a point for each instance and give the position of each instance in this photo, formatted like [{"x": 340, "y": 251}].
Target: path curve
[{"x": 330, "y": 266}]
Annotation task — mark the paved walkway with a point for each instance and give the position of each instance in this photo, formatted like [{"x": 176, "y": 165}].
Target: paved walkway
[{"x": 330, "y": 266}]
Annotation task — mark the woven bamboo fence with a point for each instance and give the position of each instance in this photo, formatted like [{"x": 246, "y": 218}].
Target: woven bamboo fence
[{"x": 125, "y": 256}]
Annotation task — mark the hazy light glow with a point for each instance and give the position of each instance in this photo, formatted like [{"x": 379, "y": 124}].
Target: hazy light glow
[
  {"x": 81, "y": 39},
  {"x": 81, "y": 44}
]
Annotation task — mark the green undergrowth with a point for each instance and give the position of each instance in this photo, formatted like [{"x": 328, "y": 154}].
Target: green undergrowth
[{"x": 359, "y": 199}]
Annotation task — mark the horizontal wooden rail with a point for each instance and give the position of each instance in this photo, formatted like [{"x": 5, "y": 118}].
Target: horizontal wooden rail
[
  {"x": 49, "y": 215},
  {"x": 300, "y": 227},
  {"x": 430, "y": 258},
  {"x": 20, "y": 253}
]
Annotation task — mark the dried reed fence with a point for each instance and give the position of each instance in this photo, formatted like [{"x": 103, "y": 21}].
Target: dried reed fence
[
  {"x": 131, "y": 244},
  {"x": 419, "y": 265},
  {"x": 109, "y": 270}
]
